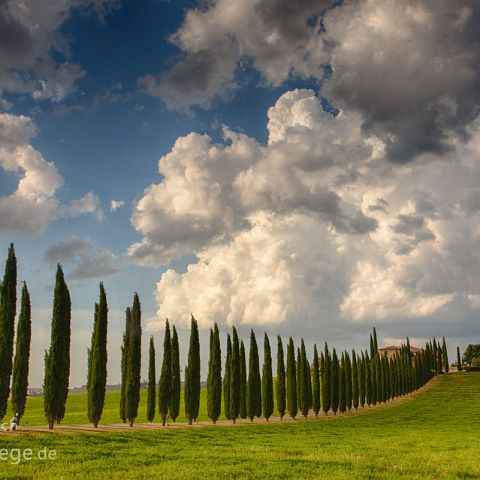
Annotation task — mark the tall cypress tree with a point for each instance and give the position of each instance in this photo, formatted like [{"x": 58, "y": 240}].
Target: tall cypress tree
[
  {"x": 8, "y": 306},
  {"x": 165, "y": 382},
  {"x": 306, "y": 391},
  {"x": 380, "y": 379},
  {"x": 375, "y": 342},
  {"x": 132, "y": 387},
  {"x": 291, "y": 380},
  {"x": 192, "y": 375},
  {"x": 445, "y": 355},
  {"x": 342, "y": 402},
  {"x": 254, "y": 386},
  {"x": 439, "y": 359},
  {"x": 235, "y": 377},
  {"x": 152, "y": 382},
  {"x": 226, "y": 379},
  {"x": 348, "y": 382},
  {"x": 97, "y": 371},
  {"x": 335, "y": 382},
  {"x": 22, "y": 355},
  {"x": 57, "y": 359},
  {"x": 368, "y": 380},
  {"x": 267, "y": 379},
  {"x": 355, "y": 384},
  {"x": 361, "y": 380},
  {"x": 243, "y": 382},
  {"x": 316, "y": 382},
  {"x": 326, "y": 391},
  {"x": 214, "y": 381},
  {"x": 373, "y": 379},
  {"x": 124, "y": 363},
  {"x": 175, "y": 394},
  {"x": 299, "y": 379},
  {"x": 280, "y": 387},
  {"x": 459, "y": 360}
]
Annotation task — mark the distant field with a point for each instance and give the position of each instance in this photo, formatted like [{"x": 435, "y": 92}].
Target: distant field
[{"x": 432, "y": 436}]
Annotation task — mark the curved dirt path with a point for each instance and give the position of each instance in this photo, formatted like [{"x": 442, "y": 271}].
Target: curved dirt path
[{"x": 122, "y": 427}]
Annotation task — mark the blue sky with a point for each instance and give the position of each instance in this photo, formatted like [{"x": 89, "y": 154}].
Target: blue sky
[{"x": 287, "y": 217}]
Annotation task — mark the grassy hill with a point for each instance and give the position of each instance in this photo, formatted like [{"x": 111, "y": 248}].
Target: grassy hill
[{"x": 432, "y": 436}]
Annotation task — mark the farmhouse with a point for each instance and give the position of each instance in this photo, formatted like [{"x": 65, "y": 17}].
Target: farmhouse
[{"x": 392, "y": 350}]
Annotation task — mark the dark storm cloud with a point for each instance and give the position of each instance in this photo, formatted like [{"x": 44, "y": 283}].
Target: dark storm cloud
[
  {"x": 412, "y": 70},
  {"x": 15, "y": 39}
]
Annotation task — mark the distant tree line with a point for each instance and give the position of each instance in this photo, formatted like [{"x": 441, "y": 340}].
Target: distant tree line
[{"x": 329, "y": 382}]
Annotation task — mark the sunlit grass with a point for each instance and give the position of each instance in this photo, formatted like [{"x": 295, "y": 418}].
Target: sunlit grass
[{"x": 432, "y": 436}]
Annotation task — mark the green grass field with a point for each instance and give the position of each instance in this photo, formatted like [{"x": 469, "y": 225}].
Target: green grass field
[
  {"x": 435, "y": 435},
  {"x": 76, "y": 410}
]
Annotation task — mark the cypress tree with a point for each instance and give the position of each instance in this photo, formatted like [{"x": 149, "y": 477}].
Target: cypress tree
[
  {"x": 254, "y": 386},
  {"x": 380, "y": 380},
  {"x": 165, "y": 382},
  {"x": 361, "y": 381},
  {"x": 342, "y": 385},
  {"x": 439, "y": 359},
  {"x": 459, "y": 360},
  {"x": 373, "y": 379},
  {"x": 152, "y": 382},
  {"x": 280, "y": 386},
  {"x": 368, "y": 380},
  {"x": 291, "y": 380},
  {"x": 134, "y": 357},
  {"x": 326, "y": 390},
  {"x": 57, "y": 359},
  {"x": 226, "y": 379},
  {"x": 267, "y": 380},
  {"x": 8, "y": 306},
  {"x": 304, "y": 382},
  {"x": 243, "y": 382},
  {"x": 348, "y": 382},
  {"x": 124, "y": 363},
  {"x": 436, "y": 356},
  {"x": 316, "y": 382},
  {"x": 97, "y": 371},
  {"x": 372, "y": 348},
  {"x": 335, "y": 382},
  {"x": 214, "y": 381},
  {"x": 175, "y": 394},
  {"x": 375, "y": 342},
  {"x": 445, "y": 355},
  {"x": 235, "y": 377},
  {"x": 355, "y": 385},
  {"x": 300, "y": 384},
  {"x": 22, "y": 355},
  {"x": 309, "y": 384},
  {"x": 192, "y": 375}
]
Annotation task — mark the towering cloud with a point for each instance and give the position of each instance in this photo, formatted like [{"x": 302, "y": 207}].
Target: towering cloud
[{"x": 313, "y": 227}]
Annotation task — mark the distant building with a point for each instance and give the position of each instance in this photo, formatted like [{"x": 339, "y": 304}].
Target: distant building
[{"x": 392, "y": 350}]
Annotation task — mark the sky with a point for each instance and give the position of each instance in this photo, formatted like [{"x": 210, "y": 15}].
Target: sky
[{"x": 306, "y": 168}]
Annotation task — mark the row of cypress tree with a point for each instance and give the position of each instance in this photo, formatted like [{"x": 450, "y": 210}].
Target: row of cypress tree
[
  {"x": 331, "y": 383},
  {"x": 328, "y": 383}
]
